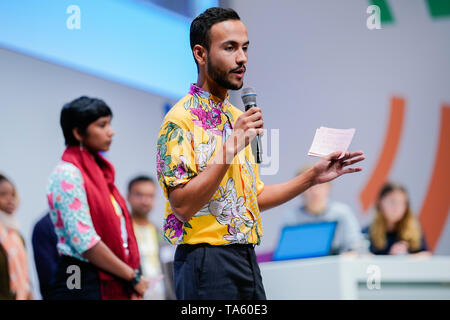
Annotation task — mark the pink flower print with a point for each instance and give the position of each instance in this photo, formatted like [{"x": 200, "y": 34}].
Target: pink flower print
[
  {"x": 75, "y": 239},
  {"x": 62, "y": 240},
  {"x": 194, "y": 90},
  {"x": 50, "y": 201},
  {"x": 208, "y": 120},
  {"x": 75, "y": 205},
  {"x": 173, "y": 224},
  {"x": 92, "y": 242},
  {"x": 66, "y": 186},
  {"x": 159, "y": 162},
  {"x": 180, "y": 172},
  {"x": 82, "y": 228},
  {"x": 197, "y": 91},
  {"x": 59, "y": 222}
]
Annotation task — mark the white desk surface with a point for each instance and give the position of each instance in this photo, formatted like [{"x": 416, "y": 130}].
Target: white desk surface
[{"x": 345, "y": 277}]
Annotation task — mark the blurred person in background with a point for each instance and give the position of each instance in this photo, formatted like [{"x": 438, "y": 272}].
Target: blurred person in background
[
  {"x": 141, "y": 197},
  {"x": 89, "y": 214},
  {"x": 14, "y": 275},
  {"x": 46, "y": 255},
  {"x": 394, "y": 229},
  {"x": 317, "y": 207}
]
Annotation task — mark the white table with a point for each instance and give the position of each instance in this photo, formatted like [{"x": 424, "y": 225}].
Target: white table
[{"x": 352, "y": 277}]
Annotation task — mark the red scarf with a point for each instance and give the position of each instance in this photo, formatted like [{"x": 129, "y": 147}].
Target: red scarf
[{"x": 98, "y": 175}]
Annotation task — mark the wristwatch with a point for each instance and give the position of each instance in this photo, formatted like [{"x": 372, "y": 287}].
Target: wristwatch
[{"x": 136, "y": 278}]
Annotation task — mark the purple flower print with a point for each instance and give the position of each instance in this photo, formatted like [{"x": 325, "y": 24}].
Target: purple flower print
[
  {"x": 195, "y": 90},
  {"x": 159, "y": 162},
  {"x": 180, "y": 172},
  {"x": 208, "y": 120},
  {"x": 175, "y": 225}
]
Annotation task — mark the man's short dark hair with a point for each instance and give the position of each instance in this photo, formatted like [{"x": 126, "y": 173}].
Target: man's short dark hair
[
  {"x": 80, "y": 113},
  {"x": 137, "y": 179},
  {"x": 202, "y": 24}
]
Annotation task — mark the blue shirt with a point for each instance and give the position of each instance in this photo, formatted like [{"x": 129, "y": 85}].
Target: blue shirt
[
  {"x": 348, "y": 235},
  {"x": 46, "y": 255}
]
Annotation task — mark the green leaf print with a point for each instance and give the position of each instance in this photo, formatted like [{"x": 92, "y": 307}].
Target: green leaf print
[
  {"x": 195, "y": 104},
  {"x": 174, "y": 133},
  {"x": 228, "y": 113},
  {"x": 187, "y": 104}
]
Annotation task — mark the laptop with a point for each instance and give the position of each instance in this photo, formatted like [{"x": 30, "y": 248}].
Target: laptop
[{"x": 305, "y": 241}]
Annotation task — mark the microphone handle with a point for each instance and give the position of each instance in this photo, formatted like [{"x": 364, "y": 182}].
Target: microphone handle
[
  {"x": 258, "y": 140},
  {"x": 258, "y": 149}
]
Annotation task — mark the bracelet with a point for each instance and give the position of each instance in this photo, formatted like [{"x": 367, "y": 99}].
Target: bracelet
[{"x": 136, "y": 278}]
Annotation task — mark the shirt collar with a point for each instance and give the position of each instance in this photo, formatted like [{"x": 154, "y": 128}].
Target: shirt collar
[{"x": 212, "y": 99}]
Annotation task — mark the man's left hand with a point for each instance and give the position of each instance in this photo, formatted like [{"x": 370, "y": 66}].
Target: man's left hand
[{"x": 330, "y": 167}]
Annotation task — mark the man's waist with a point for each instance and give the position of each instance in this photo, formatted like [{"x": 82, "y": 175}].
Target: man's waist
[{"x": 237, "y": 246}]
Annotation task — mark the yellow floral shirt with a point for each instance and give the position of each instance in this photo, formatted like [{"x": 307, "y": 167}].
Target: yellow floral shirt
[{"x": 192, "y": 131}]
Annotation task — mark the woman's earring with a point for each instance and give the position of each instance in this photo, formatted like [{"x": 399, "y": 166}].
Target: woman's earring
[{"x": 81, "y": 146}]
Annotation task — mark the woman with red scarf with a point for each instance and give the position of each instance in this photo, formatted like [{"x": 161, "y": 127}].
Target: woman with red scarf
[{"x": 99, "y": 254}]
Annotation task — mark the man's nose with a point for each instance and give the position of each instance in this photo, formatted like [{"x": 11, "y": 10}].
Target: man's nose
[{"x": 241, "y": 57}]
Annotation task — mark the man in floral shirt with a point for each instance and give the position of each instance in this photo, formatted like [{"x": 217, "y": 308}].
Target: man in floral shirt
[{"x": 205, "y": 166}]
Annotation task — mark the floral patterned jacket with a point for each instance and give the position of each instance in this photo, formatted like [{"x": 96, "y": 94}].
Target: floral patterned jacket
[{"x": 192, "y": 131}]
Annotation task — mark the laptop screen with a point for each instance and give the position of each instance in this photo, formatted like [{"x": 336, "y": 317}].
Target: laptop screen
[{"x": 305, "y": 241}]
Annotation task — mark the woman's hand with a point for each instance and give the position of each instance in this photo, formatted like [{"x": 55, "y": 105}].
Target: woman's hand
[
  {"x": 399, "y": 248},
  {"x": 142, "y": 286}
]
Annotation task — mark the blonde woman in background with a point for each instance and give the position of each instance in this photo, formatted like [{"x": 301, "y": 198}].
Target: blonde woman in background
[{"x": 394, "y": 229}]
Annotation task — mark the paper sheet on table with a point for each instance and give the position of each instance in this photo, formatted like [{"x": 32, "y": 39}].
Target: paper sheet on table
[{"x": 329, "y": 140}]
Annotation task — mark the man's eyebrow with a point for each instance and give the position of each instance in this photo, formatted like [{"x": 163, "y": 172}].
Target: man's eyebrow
[{"x": 233, "y": 42}]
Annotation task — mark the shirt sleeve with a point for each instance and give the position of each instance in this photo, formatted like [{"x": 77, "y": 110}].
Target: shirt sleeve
[
  {"x": 175, "y": 156},
  {"x": 70, "y": 210}
]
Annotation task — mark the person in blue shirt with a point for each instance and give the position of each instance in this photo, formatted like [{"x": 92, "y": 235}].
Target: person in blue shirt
[
  {"x": 317, "y": 207},
  {"x": 46, "y": 255}
]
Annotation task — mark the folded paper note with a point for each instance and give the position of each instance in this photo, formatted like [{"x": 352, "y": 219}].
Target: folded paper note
[{"x": 329, "y": 140}]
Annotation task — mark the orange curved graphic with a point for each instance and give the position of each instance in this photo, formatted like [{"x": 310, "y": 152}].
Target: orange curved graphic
[
  {"x": 437, "y": 202},
  {"x": 379, "y": 175}
]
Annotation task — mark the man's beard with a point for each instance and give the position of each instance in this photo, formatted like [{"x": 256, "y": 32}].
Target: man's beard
[
  {"x": 140, "y": 213},
  {"x": 221, "y": 77}
]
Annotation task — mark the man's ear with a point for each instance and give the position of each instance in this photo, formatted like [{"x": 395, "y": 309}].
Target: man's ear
[
  {"x": 200, "y": 54},
  {"x": 77, "y": 135}
]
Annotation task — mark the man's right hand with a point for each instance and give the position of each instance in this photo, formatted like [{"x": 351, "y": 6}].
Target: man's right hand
[{"x": 247, "y": 126}]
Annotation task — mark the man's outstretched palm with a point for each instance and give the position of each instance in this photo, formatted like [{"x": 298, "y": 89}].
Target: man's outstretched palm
[{"x": 330, "y": 167}]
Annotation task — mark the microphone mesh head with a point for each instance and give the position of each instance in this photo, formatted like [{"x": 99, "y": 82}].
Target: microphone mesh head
[{"x": 248, "y": 96}]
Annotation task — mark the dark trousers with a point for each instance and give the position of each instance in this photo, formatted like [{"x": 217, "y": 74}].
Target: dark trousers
[
  {"x": 89, "y": 281},
  {"x": 230, "y": 272}
]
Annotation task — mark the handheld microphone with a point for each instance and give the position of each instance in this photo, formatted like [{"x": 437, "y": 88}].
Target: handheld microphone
[{"x": 249, "y": 99}]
